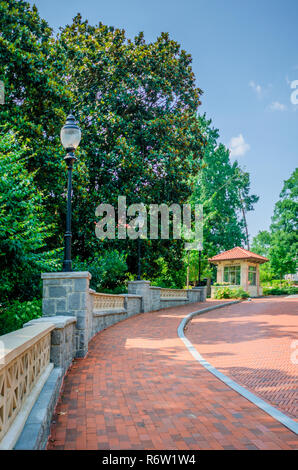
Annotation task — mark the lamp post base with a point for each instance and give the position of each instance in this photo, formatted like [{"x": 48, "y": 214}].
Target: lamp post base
[
  {"x": 139, "y": 260},
  {"x": 67, "y": 268}
]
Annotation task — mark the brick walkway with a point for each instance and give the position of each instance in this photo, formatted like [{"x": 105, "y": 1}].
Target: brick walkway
[
  {"x": 251, "y": 343},
  {"x": 140, "y": 388}
]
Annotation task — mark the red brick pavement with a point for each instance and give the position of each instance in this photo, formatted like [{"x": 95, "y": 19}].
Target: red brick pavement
[
  {"x": 251, "y": 343},
  {"x": 140, "y": 388}
]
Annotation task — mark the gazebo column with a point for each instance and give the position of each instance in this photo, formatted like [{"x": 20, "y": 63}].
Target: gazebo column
[
  {"x": 258, "y": 279},
  {"x": 220, "y": 269},
  {"x": 244, "y": 275}
]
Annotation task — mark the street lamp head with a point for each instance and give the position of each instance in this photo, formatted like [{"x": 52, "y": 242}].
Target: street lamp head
[{"x": 70, "y": 134}]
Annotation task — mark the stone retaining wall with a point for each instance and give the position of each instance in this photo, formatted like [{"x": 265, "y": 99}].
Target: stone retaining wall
[
  {"x": 72, "y": 315},
  {"x": 63, "y": 336},
  {"x": 68, "y": 294}
]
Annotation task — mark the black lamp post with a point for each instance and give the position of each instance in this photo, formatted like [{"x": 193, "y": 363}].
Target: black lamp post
[
  {"x": 139, "y": 260},
  {"x": 70, "y": 138},
  {"x": 141, "y": 222},
  {"x": 200, "y": 256}
]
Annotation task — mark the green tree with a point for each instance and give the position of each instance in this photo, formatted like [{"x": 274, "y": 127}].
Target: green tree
[
  {"x": 137, "y": 104},
  {"x": 36, "y": 99},
  {"x": 261, "y": 245},
  {"x": 35, "y": 93},
  {"x": 283, "y": 253},
  {"x": 281, "y": 243},
  {"x": 223, "y": 189},
  {"x": 23, "y": 231},
  {"x": 284, "y": 240}
]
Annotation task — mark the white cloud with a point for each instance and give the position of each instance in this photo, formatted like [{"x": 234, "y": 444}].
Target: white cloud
[
  {"x": 277, "y": 106},
  {"x": 257, "y": 88},
  {"x": 238, "y": 146}
]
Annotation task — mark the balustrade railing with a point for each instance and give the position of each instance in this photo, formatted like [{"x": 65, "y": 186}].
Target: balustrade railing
[
  {"x": 173, "y": 293},
  {"x": 107, "y": 301},
  {"x": 24, "y": 356}
]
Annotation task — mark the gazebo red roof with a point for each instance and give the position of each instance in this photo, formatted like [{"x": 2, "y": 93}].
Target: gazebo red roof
[{"x": 238, "y": 253}]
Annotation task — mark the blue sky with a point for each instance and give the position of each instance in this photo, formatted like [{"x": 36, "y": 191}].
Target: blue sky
[{"x": 244, "y": 57}]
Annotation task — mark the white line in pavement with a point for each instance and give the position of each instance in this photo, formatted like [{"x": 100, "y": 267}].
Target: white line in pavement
[{"x": 269, "y": 409}]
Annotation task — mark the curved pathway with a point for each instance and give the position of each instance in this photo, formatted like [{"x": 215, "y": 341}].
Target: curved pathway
[
  {"x": 254, "y": 344},
  {"x": 140, "y": 388}
]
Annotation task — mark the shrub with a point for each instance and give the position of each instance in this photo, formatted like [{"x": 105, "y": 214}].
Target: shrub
[
  {"x": 168, "y": 277},
  {"x": 279, "y": 283},
  {"x": 15, "y": 314},
  {"x": 231, "y": 293},
  {"x": 116, "y": 290},
  {"x": 290, "y": 290},
  {"x": 166, "y": 283},
  {"x": 108, "y": 270}
]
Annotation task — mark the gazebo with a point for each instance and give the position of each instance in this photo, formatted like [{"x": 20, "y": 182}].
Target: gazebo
[{"x": 239, "y": 268}]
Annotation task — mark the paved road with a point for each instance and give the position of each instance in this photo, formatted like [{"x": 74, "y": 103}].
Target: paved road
[
  {"x": 254, "y": 344},
  {"x": 140, "y": 388}
]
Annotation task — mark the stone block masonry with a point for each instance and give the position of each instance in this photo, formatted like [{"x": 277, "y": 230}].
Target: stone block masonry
[
  {"x": 63, "y": 348},
  {"x": 67, "y": 293},
  {"x": 141, "y": 288}
]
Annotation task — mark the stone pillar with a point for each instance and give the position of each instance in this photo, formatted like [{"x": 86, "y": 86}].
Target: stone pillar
[
  {"x": 193, "y": 295},
  {"x": 141, "y": 288},
  {"x": 67, "y": 293},
  {"x": 200, "y": 294},
  {"x": 204, "y": 294},
  {"x": 155, "y": 298}
]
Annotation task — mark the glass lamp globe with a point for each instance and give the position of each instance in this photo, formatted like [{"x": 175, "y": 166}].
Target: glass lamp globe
[{"x": 70, "y": 134}]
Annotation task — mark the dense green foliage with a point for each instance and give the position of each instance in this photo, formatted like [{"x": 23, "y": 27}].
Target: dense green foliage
[
  {"x": 261, "y": 245},
  {"x": 14, "y": 315},
  {"x": 108, "y": 270},
  {"x": 284, "y": 229},
  {"x": 290, "y": 290},
  {"x": 36, "y": 97},
  {"x": 168, "y": 277},
  {"x": 23, "y": 231},
  {"x": 279, "y": 283}
]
